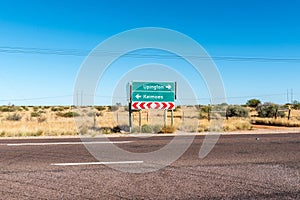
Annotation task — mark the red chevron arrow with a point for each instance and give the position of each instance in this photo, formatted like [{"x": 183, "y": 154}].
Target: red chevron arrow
[
  {"x": 157, "y": 105},
  {"x": 134, "y": 105},
  {"x": 171, "y": 105},
  {"x": 164, "y": 105},
  {"x": 148, "y": 105},
  {"x": 142, "y": 105}
]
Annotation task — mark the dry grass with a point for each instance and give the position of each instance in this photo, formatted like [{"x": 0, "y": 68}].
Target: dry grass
[
  {"x": 276, "y": 122},
  {"x": 237, "y": 124},
  {"x": 49, "y": 121},
  {"x": 168, "y": 129},
  {"x": 232, "y": 124},
  {"x": 47, "y": 124}
]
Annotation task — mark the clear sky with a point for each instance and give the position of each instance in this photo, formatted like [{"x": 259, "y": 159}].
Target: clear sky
[{"x": 255, "y": 44}]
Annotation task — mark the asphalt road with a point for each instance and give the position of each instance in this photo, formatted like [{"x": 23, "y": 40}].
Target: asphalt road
[{"x": 239, "y": 167}]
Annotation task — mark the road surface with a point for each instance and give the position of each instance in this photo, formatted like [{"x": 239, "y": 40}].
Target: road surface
[{"x": 239, "y": 167}]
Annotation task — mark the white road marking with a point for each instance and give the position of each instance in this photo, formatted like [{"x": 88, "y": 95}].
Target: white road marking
[
  {"x": 97, "y": 163},
  {"x": 66, "y": 143}
]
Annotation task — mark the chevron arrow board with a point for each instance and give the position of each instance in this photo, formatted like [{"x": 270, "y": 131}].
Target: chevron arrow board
[{"x": 152, "y": 105}]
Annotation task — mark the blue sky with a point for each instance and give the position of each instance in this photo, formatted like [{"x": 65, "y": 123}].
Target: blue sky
[{"x": 32, "y": 32}]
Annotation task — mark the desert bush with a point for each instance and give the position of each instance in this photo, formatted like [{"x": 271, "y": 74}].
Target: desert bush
[
  {"x": 123, "y": 127},
  {"x": 100, "y": 108},
  {"x": 68, "y": 114},
  {"x": 135, "y": 129},
  {"x": 106, "y": 131},
  {"x": 156, "y": 128},
  {"x": 35, "y": 114},
  {"x": 296, "y": 105},
  {"x": 55, "y": 109},
  {"x": 217, "y": 111},
  {"x": 25, "y": 108},
  {"x": 269, "y": 110},
  {"x": 66, "y": 107},
  {"x": 204, "y": 110},
  {"x": 7, "y": 108},
  {"x": 14, "y": 117},
  {"x": 2, "y": 134},
  {"x": 237, "y": 111},
  {"x": 146, "y": 128}
]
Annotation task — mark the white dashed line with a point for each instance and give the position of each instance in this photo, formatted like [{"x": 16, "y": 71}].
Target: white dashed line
[{"x": 97, "y": 163}]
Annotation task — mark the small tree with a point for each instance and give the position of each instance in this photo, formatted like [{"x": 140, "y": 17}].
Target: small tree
[{"x": 253, "y": 103}]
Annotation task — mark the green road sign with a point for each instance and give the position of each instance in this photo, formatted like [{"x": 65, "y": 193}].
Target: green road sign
[{"x": 153, "y": 91}]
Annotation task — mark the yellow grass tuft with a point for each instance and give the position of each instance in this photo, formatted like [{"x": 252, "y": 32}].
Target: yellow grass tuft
[{"x": 276, "y": 122}]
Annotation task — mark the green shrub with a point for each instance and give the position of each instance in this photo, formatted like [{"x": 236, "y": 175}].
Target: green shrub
[
  {"x": 2, "y": 134},
  {"x": 55, "y": 109},
  {"x": 68, "y": 114},
  {"x": 100, "y": 108},
  {"x": 156, "y": 128},
  {"x": 237, "y": 111},
  {"x": 106, "y": 131},
  {"x": 135, "y": 129},
  {"x": 296, "y": 105},
  {"x": 203, "y": 111},
  {"x": 146, "y": 129},
  {"x": 7, "y": 109},
  {"x": 269, "y": 110},
  {"x": 35, "y": 114},
  {"x": 25, "y": 108},
  {"x": 14, "y": 117}
]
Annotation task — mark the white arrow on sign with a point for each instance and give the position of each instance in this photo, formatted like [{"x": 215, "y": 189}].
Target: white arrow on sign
[
  {"x": 169, "y": 87},
  {"x": 138, "y": 96}
]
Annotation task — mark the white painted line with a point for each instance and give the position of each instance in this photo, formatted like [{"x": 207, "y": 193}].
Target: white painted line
[
  {"x": 97, "y": 163},
  {"x": 66, "y": 143}
]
